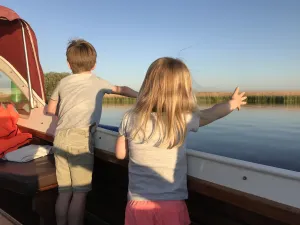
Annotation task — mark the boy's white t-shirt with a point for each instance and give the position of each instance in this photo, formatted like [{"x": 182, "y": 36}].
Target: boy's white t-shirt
[
  {"x": 80, "y": 100},
  {"x": 157, "y": 173}
]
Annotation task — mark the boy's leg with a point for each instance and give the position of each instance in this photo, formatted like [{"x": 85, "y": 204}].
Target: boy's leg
[
  {"x": 81, "y": 164},
  {"x": 63, "y": 176},
  {"x": 64, "y": 188},
  {"x": 77, "y": 209},
  {"x": 81, "y": 181},
  {"x": 62, "y": 207}
]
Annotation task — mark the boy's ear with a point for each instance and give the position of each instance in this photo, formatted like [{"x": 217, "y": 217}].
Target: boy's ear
[
  {"x": 93, "y": 67},
  {"x": 69, "y": 65}
]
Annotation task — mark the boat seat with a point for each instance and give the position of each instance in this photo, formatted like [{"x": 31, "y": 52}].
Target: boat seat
[{"x": 28, "y": 178}]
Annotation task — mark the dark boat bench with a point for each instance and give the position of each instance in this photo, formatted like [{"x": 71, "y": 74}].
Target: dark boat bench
[{"x": 28, "y": 190}]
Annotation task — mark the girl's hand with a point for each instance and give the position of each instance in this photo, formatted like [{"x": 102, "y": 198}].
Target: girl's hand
[
  {"x": 237, "y": 100},
  {"x": 218, "y": 111}
]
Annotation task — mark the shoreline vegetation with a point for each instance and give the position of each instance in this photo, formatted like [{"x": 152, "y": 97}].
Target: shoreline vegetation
[{"x": 254, "y": 97}]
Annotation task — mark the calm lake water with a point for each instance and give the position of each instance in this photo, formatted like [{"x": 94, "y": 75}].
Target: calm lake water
[{"x": 268, "y": 135}]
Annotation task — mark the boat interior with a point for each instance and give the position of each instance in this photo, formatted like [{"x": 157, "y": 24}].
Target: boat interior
[{"x": 222, "y": 191}]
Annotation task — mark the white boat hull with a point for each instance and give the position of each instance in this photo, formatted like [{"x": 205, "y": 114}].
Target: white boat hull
[{"x": 267, "y": 182}]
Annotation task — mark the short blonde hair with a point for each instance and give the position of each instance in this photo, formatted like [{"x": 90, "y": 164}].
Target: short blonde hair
[{"x": 81, "y": 56}]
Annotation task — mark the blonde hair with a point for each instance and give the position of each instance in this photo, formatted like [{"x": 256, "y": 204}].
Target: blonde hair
[{"x": 167, "y": 91}]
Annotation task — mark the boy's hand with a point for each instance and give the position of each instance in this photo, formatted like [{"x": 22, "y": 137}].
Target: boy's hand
[
  {"x": 237, "y": 100},
  {"x": 125, "y": 91}
]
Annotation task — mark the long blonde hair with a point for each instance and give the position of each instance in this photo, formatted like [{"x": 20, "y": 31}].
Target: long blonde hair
[{"x": 167, "y": 92}]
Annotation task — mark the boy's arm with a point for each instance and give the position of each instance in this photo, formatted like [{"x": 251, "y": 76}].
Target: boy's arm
[
  {"x": 219, "y": 111},
  {"x": 52, "y": 107},
  {"x": 125, "y": 91},
  {"x": 52, "y": 104}
]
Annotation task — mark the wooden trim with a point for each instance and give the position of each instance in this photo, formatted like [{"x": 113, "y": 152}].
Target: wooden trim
[
  {"x": 8, "y": 219},
  {"x": 265, "y": 207},
  {"x": 110, "y": 157},
  {"x": 38, "y": 134},
  {"x": 48, "y": 187},
  {"x": 259, "y": 205}
]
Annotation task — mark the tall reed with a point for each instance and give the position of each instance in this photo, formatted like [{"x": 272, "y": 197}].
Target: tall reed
[
  {"x": 213, "y": 98},
  {"x": 293, "y": 100}
]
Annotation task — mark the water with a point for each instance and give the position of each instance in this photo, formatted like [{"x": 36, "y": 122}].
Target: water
[{"x": 268, "y": 135}]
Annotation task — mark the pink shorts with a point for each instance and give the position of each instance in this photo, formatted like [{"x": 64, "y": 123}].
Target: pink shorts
[{"x": 156, "y": 213}]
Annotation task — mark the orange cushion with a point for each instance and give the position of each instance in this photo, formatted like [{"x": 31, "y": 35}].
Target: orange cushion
[
  {"x": 10, "y": 136},
  {"x": 8, "y": 121},
  {"x": 12, "y": 144}
]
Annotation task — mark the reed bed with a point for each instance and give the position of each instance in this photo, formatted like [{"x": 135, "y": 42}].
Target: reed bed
[
  {"x": 118, "y": 100},
  {"x": 288, "y": 98},
  {"x": 291, "y": 97}
]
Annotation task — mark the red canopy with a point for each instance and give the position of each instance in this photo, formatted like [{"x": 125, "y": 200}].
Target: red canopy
[{"x": 18, "y": 45}]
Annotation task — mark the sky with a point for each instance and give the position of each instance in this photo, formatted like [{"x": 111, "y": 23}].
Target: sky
[{"x": 225, "y": 43}]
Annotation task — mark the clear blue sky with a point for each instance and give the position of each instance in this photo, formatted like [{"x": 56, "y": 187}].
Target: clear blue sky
[{"x": 254, "y": 44}]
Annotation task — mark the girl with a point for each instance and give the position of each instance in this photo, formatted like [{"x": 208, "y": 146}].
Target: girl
[{"x": 153, "y": 134}]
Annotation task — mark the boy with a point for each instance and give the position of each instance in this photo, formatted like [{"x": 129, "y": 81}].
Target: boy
[{"x": 80, "y": 105}]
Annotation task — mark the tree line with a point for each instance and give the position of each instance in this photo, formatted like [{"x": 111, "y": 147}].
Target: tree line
[{"x": 51, "y": 81}]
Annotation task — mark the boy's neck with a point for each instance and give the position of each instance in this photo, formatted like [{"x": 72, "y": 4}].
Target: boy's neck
[{"x": 84, "y": 73}]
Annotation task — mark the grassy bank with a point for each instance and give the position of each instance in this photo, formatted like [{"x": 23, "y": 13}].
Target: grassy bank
[
  {"x": 292, "y": 97},
  {"x": 254, "y": 97},
  {"x": 294, "y": 100},
  {"x": 288, "y": 98},
  {"x": 118, "y": 100}
]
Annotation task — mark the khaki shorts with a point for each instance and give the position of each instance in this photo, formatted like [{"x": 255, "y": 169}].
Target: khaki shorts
[{"x": 74, "y": 159}]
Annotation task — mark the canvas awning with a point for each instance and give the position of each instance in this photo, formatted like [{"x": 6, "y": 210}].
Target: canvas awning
[{"x": 18, "y": 45}]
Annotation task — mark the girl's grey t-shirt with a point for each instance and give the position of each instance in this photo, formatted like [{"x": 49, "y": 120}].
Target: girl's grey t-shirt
[
  {"x": 80, "y": 100},
  {"x": 156, "y": 173}
]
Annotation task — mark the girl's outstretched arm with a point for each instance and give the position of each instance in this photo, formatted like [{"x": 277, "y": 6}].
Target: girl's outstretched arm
[{"x": 219, "y": 111}]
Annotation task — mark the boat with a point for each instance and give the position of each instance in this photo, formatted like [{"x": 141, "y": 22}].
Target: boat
[{"x": 222, "y": 191}]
